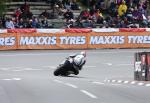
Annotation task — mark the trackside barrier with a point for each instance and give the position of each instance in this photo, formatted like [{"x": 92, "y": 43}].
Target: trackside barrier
[
  {"x": 89, "y": 38},
  {"x": 142, "y": 66}
]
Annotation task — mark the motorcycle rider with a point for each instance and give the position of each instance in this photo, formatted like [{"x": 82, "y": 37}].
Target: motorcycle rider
[
  {"x": 77, "y": 61},
  {"x": 74, "y": 63}
]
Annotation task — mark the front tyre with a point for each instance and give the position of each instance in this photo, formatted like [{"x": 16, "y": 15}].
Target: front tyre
[{"x": 57, "y": 72}]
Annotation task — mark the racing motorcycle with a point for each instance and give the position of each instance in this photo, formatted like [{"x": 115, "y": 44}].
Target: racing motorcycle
[
  {"x": 64, "y": 69},
  {"x": 70, "y": 65}
]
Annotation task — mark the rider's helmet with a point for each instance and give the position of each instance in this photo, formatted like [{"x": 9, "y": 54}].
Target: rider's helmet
[
  {"x": 83, "y": 53},
  {"x": 79, "y": 59}
]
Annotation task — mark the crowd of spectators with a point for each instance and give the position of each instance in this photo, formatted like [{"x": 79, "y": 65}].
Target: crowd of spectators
[
  {"x": 99, "y": 13},
  {"x": 115, "y": 14}
]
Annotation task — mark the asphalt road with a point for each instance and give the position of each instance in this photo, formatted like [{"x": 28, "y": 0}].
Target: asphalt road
[{"x": 27, "y": 77}]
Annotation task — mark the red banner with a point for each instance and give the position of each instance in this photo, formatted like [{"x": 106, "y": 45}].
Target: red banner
[
  {"x": 21, "y": 30},
  {"x": 132, "y": 30},
  {"x": 78, "y": 30}
]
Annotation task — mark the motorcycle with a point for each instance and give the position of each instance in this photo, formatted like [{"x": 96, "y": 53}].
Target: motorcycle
[
  {"x": 71, "y": 65},
  {"x": 65, "y": 68}
]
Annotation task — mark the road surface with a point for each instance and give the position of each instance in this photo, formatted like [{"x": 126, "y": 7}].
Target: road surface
[{"x": 26, "y": 76}]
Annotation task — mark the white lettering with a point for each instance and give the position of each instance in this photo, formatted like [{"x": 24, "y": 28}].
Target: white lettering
[
  {"x": 107, "y": 40},
  {"x": 73, "y": 40},
  {"x": 37, "y": 40},
  {"x": 8, "y": 41},
  {"x": 139, "y": 39}
]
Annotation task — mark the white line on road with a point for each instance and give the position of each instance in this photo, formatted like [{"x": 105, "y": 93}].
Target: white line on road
[
  {"x": 140, "y": 84},
  {"x": 133, "y": 82},
  {"x": 52, "y": 67},
  {"x": 88, "y": 94},
  {"x": 109, "y": 64},
  {"x": 119, "y": 81},
  {"x": 99, "y": 83},
  {"x": 126, "y": 82},
  {"x": 71, "y": 85},
  {"x": 16, "y": 78},
  {"x": 123, "y": 64},
  {"x": 90, "y": 66},
  {"x": 147, "y": 85},
  {"x": 113, "y": 81},
  {"x": 115, "y": 84},
  {"x": 7, "y": 79},
  {"x": 58, "y": 81}
]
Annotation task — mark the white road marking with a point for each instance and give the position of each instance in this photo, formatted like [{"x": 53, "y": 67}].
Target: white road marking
[
  {"x": 58, "y": 81},
  {"x": 16, "y": 78},
  {"x": 115, "y": 84},
  {"x": 5, "y": 69},
  {"x": 108, "y": 81},
  {"x": 113, "y": 81},
  {"x": 99, "y": 83},
  {"x": 119, "y": 81},
  {"x": 88, "y": 94},
  {"x": 108, "y": 64},
  {"x": 123, "y": 64},
  {"x": 7, "y": 79},
  {"x": 126, "y": 82},
  {"x": 140, "y": 84},
  {"x": 147, "y": 85},
  {"x": 71, "y": 85},
  {"x": 17, "y": 70},
  {"x": 52, "y": 67},
  {"x": 90, "y": 66},
  {"x": 31, "y": 69},
  {"x": 133, "y": 82}
]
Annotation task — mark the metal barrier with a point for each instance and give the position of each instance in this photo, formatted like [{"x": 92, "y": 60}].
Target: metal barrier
[{"x": 142, "y": 66}]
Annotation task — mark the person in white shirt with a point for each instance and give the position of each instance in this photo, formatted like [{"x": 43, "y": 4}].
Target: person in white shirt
[{"x": 9, "y": 24}]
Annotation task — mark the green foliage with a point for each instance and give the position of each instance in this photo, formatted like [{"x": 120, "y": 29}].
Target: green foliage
[{"x": 3, "y": 6}]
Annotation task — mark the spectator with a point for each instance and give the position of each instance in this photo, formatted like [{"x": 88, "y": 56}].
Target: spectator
[
  {"x": 17, "y": 13},
  {"x": 86, "y": 23},
  {"x": 25, "y": 7},
  {"x": 68, "y": 15},
  {"x": 69, "y": 18},
  {"x": 45, "y": 23},
  {"x": 122, "y": 9},
  {"x": 1, "y": 23},
  {"x": 28, "y": 23},
  {"x": 45, "y": 14},
  {"x": 74, "y": 5},
  {"x": 67, "y": 4},
  {"x": 85, "y": 14},
  {"x": 112, "y": 9},
  {"x": 21, "y": 23},
  {"x": 9, "y": 24},
  {"x": 35, "y": 23},
  {"x": 148, "y": 20}
]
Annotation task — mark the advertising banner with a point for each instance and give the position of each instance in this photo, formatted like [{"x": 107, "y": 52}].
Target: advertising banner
[
  {"x": 68, "y": 40},
  {"x": 52, "y": 41},
  {"x": 8, "y": 41},
  {"x": 119, "y": 40}
]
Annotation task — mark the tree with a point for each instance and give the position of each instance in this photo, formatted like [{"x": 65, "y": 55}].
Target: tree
[{"x": 3, "y": 6}]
